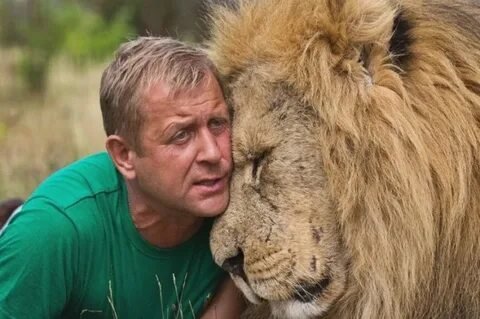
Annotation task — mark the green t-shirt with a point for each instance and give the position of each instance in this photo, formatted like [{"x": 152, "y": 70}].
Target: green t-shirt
[{"x": 73, "y": 252}]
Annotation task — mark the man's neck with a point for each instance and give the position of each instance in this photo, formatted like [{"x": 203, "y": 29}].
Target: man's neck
[{"x": 161, "y": 229}]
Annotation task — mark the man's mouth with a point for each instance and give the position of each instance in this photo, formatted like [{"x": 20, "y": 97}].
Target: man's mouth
[
  {"x": 211, "y": 185},
  {"x": 208, "y": 182}
]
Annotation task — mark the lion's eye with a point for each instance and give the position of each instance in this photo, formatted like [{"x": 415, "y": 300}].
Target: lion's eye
[{"x": 257, "y": 161}]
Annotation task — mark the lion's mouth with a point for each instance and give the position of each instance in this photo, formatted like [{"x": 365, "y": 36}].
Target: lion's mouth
[
  {"x": 247, "y": 290},
  {"x": 304, "y": 292},
  {"x": 308, "y": 292}
]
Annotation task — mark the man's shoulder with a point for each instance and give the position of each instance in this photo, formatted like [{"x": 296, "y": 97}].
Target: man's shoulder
[
  {"x": 77, "y": 198},
  {"x": 81, "y": 193},
  {"x": 81, "y": 180}
]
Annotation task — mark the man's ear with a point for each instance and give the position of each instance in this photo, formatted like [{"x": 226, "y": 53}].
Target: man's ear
[{"x": 122, "y": 155}]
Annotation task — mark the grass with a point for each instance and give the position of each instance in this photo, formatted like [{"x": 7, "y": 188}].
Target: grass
[
  {"x": 179, "y": 311},
  {"x": 40, "y": 133}
]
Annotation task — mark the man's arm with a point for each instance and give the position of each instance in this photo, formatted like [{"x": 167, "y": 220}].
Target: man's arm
[
  {"x": 36, "y": 264},
  {"x": 227, "y": 303}
]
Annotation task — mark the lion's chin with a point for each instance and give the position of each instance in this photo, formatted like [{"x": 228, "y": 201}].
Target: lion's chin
[
  {"x": 247, "y": 291},
  {"x": 293, "y": 309},
  {"x": 287, "y": 309}
]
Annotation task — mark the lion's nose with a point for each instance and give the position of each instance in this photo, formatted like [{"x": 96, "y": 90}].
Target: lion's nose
[{"x": 234, "y": 265}]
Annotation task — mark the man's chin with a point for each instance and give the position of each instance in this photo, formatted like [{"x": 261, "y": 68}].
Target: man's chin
[{"x": 211, "y": 207}]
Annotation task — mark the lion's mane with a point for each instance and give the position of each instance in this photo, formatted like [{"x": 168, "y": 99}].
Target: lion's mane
[{"x": 396, "y": 91}]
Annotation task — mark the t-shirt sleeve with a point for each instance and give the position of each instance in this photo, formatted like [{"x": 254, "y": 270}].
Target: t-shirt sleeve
[{"x": 38, "y": 258}]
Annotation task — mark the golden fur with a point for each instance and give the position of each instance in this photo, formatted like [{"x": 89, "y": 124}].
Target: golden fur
[{"x": 356, "y": 140}]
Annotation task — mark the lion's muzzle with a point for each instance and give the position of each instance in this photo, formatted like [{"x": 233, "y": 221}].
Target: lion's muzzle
[{"x": 235, "y": 266}]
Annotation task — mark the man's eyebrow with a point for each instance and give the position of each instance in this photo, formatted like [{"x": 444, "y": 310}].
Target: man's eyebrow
[
  {"x": 220, "y": 113},
  {"x": 178, "y": 124}
]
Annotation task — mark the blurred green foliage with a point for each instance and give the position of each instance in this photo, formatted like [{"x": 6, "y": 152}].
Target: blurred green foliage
[
  {"x": 70, "y": 29},
  {"x": 88, "y": 36},
  {"x": 88, "y": 30}
]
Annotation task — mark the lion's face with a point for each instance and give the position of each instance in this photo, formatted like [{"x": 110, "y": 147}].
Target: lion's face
[
  {"x": 279, "y": 236},
  {"x": 356, "y": 145}
]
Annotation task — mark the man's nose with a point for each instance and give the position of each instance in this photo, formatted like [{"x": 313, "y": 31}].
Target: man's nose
[{"x": 209, "y": 150}]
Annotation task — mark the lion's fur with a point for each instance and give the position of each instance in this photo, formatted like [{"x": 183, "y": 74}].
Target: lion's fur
[{"x": 397, "y": 140}]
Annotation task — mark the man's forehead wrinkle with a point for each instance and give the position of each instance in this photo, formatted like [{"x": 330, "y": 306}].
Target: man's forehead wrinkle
[
  {"x": 162, "y": 94},
  {"x": 186, "y": 108},
  {"x": 174, "y": 114}
]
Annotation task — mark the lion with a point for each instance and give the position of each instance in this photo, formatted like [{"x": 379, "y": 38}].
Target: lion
[{"x": 356, "y": 144}]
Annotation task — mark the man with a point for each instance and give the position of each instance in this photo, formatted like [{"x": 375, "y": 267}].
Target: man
[{"x": 125, "y": 234}]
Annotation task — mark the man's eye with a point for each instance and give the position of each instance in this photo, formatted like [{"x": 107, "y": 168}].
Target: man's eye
[
  {"x": 217, "y": 125},
  {"x": 181, "y": 136}
]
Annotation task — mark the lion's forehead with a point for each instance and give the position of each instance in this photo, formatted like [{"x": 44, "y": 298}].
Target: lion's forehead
[{"x": 267, "y": 116}]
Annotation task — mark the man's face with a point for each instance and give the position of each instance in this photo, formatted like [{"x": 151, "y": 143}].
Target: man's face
[{"x": 186, "y": 162}]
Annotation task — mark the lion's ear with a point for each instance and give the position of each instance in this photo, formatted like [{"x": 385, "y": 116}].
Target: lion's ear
[
  {"x": 369, "y": 47},
  {"x": 401, "y": 40}
]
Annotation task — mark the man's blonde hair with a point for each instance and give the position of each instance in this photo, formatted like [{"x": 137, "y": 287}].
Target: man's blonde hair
[{"x": 139, "y": 64}]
